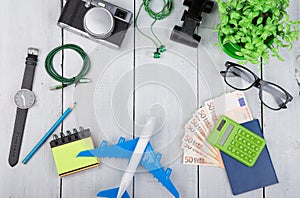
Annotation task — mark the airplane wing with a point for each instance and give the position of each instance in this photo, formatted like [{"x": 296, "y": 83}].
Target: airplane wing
[
  {"x": 151, "y": 162},
  {"x": 123, "y": 149}
]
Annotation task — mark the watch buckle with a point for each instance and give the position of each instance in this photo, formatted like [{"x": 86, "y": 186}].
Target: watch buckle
[{"x": 33, "y": 51}]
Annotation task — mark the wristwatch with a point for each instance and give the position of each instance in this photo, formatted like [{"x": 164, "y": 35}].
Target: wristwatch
[{"x": 24, "y": 99}]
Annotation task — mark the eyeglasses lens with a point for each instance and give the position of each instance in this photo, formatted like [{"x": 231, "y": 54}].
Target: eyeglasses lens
[
  {"x": 273, "y": 96},
  {"x": 239, "y": 78}
]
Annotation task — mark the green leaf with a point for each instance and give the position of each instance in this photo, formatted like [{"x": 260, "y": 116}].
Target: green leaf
[
  {"x": 245, "y": 51},
  {"x": 280, "y": 27},
  {"x": 254, "y": 55},
  {"x": 287, "y": 28},
  {"x": 232, "y": 39},
  {"x": 239, "y": 6},
  {"x": 237, "y": 37},
  {"x": 234, "y": 3},
  {"x": 265, "y": 8},
  {"x": 222, "y": 7},
  {"x": 247, "y": 12},
  {"x": 243, "y": 39},
  {"x": 259, "y": 20},
  {"x": 233, "y": 22},
  {"x": 226, "y": 40},
  {"x": 270, "y": 28},
  {"x": 276, "y": 12},
  {"x": 265, "y": 56},
  {"x": 239, "y": 53},
  {"x": 225, "y": 30},
  {"x": 257, "y": 8},
  {"x": 269, "y": 20},
  {"x": 234, "y": 15},
  {"x": 248, "y": 46},
  {"x": 255, "y": 40},
  {"x": 224, "y": 20}
]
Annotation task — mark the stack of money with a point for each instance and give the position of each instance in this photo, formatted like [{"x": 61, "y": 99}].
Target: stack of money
[{"x": 197, "y": 151}]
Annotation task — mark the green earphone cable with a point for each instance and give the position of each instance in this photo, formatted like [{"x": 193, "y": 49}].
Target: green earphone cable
[
  {"x": 165, "y": 12},
  {"x": 67, "y": 81}
]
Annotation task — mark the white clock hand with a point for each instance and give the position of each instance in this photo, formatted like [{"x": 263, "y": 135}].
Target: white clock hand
[{"x": 23, "y": 100}]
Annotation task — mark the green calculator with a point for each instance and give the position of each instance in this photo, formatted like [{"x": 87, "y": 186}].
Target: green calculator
[{"x": 237, "y": 141}]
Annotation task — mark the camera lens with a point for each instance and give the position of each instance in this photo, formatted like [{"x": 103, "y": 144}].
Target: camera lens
[
  {"x": 99, "y": 22},
  {"x": 120, "y": 13}
]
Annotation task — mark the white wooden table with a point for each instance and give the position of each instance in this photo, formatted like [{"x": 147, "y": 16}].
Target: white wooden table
[{"x": 127, "y": 94}]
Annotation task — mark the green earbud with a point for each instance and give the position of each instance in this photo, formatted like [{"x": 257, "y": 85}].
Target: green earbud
[
  {"x": 162, "y": 48},
  {"x": 159, "y": 50},
  {"x": 156, "y": 54}
]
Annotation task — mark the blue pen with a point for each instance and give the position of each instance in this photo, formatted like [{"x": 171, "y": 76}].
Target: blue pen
[{"x": 49, "y": 133}]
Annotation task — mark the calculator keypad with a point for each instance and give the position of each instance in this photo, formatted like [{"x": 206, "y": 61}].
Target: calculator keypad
[{"x": 245, "y": 146}]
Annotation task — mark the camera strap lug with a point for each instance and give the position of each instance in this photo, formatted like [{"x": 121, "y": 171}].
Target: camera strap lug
[{"x": 88, "y": 3}]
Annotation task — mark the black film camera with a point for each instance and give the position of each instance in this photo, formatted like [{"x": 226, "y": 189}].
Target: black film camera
[
  {"x": 97, "y": 20},
  {"x": 192, "y": 19}
]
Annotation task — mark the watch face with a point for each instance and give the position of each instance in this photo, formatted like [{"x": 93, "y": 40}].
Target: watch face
[{"x": 24, "y": 99}]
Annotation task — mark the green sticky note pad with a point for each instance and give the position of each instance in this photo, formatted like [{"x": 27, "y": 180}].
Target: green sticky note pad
[{"x": 65, "y": 150}]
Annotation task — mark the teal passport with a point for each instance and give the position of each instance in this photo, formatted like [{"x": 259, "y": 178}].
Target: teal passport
[{"x": 243, "y": 178}]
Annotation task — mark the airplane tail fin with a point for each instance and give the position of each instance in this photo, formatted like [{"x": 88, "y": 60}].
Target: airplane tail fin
[
  {"x": 86, "y": 153},
  {"x": 112, "y": 193}
]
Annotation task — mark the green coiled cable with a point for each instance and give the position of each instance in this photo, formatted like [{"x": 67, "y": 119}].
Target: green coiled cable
[{"x": 67, "y": 81}]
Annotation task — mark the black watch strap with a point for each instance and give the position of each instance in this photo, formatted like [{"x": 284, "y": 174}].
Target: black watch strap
[
  {"x": 30, "y": 63},
  {"x": 17, "y": 136},
  {"x": 16, "y": 142}
]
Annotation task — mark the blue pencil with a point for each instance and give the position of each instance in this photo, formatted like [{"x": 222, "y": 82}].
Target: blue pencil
[{"x": 48, "y": 134}]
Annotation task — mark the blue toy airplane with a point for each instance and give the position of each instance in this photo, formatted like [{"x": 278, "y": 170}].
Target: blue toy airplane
[{"x": 130, "y": 150}]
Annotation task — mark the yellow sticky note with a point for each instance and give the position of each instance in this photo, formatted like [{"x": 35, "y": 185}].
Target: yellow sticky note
[{"x": 65, "y": 150}]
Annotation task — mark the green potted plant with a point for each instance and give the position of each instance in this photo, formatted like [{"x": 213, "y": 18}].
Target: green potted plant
[{"x": 250, "y": 29}]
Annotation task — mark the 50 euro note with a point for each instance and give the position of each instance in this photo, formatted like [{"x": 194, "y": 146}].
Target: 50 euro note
[
  {"x": 207, "y": 120},
  {"x": 195, "y": 143},
  {"x": 197, "y": 131},
  {"x": 191, "y": 158},
  {"x": 192, "y": 144}
]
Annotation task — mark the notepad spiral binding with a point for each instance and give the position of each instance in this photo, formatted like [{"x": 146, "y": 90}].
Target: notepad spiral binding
[{"x": 70, "y": 137}]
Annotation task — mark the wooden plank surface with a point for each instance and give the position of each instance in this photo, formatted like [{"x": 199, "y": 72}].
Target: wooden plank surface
[
  {"x": 96, "y": 108},
  {"x": 26, "y": 26},
  {"x": 165, "y": 88},
  {"x": 281, "y": 128},
  {"x": 128, "y": 86}
]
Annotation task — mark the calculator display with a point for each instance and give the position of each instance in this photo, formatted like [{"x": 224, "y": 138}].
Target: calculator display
[{"x": 226, "y": 134}]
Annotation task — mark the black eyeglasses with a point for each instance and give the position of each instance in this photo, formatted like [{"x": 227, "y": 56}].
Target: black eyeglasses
[{"x": 240, "y": 78}]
